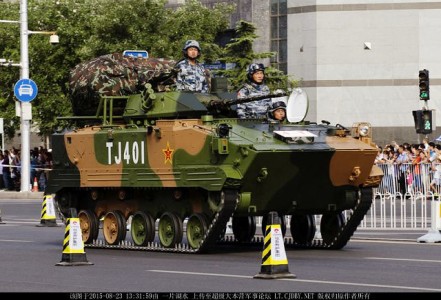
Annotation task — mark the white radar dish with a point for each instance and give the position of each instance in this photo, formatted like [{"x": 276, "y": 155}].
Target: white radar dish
[{"x": 297, "y": 107}]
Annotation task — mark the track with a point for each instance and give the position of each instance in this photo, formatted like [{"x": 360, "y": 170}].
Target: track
[
  {"x": 227, "y": 205},
  {"x": 228, "y": 202},
  {"x": 340, "y": 240}
]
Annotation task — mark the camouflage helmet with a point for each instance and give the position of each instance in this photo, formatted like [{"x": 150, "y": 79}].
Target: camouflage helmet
[
  {"x": 275, "y": 106},
  {"x": 191, "y": 43},
  {"x": 253, "y": 68}
]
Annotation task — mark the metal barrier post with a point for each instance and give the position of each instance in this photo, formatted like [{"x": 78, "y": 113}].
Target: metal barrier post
[
  {"x": 403, "y": 213},
  {"x": 433, "y": 236},
  {"x": 393, "y": 213},
  {"x": 383, "y": 213},
  {"x": 413, "y": 213}
]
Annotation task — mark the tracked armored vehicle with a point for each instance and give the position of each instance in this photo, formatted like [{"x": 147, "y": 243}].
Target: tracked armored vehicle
[{"x": 179, "y": 166}]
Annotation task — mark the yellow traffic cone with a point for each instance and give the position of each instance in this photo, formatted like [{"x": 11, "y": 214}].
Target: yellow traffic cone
[
  {"x": 73, "y": 246},
  {"x": 48, "y": 218},
  {"x": 274, "y": 261}
]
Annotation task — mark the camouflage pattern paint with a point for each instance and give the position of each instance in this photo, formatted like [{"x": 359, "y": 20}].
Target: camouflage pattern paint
[
  {"x": 116, "y": 75},
  {"x": 177, "y": 154},
  {"x": 182, "y": 153}
]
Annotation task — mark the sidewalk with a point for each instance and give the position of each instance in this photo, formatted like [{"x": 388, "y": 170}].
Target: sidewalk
[{"x": 20, "y": 195}]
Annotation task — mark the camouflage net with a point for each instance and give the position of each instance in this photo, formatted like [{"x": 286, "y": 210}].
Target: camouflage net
[{"x": 116, "y": 75}]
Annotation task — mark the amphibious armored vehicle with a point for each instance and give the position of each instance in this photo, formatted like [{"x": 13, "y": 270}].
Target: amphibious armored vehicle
[{"x": 179, "y": 165}]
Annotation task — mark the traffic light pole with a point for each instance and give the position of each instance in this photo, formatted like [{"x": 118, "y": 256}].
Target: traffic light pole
[{"x": 423, "y": 117}]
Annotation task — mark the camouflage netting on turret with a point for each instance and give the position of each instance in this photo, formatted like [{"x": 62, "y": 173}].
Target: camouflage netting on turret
[{"x": 116, "y": 75}]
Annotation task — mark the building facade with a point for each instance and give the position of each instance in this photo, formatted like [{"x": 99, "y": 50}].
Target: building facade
[{"x": 357, "y": 60}]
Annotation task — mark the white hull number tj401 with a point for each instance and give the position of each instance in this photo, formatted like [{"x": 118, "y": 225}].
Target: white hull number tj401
[{"x": 132, "y": 153}]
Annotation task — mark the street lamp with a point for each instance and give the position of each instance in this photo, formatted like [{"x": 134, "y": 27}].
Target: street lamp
[
  {"x": 53, "y": 39},
  {"x": 24, "y": 109}
]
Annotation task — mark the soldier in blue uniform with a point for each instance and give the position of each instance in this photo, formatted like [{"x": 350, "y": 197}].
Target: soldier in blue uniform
[
  {"x": 191, "y": 75},
  {"x": 253, "y": 88},
  {"x": 277, "y": 111}
]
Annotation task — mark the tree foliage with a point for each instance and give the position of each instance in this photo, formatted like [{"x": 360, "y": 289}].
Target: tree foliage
[
  {"x": 240, "y": 52},
  {"x": 90, "y": 28}
]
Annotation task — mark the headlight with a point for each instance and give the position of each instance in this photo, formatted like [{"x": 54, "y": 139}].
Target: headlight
[
  {"x": 361, "y": 130},
  {"x": 364, "y": 130}
]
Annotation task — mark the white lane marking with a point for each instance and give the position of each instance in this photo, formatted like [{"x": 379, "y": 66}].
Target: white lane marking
[
  {"x": 404, "y": 259},
  {"x": 16, "y": 241},
  {"x": 306, "y": 280},
  {"x": 26, "y": 222},
  {"x": 21, "y": 221},
  {"x": 407, "y": 242},
  {"x": 21, "y": 201},
  {"x": 380, "y": 232}
]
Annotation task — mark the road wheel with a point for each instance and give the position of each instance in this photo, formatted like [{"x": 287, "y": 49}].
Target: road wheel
[
  {"x": 330, "y": 225},
  {"x": 114, "y": 227},
  {"x": 244, "y": 228},
  {"x": 142, "y": 228},
  {"x": 196, "y": 230},
  {"x": 303, "y": 228},
  {"x": 89, "y": 225},
  {"x": 170, "y": 230}
]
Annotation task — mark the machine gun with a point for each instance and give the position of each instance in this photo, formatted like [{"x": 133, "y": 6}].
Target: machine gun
[{"x": 220, "y": 106}]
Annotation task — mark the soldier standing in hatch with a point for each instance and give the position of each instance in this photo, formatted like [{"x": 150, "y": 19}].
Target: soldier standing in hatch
[
  {"x": 192, "y": 76},
  {"x": 277, "y": 111},
  {"x": 254, "y": 87}
]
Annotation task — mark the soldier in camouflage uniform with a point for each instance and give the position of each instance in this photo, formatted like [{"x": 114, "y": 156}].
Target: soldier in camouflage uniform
[
  {"x": 277, "y": 111},
  {"x": 254, "y": 87},
  {"x": 191, "y": 75}
]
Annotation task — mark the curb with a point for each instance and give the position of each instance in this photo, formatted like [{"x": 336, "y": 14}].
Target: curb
[{"x": 21, "y": 195}]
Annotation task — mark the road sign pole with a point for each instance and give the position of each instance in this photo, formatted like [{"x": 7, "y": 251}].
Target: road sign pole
[{"x": 25, "y": 106}]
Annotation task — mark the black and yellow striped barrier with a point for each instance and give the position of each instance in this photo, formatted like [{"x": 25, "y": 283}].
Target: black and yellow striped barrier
[
  {"x": 73, "y": 246},
  {"x": 274, "y": 261},
  {"x": 48, "y": 218}
]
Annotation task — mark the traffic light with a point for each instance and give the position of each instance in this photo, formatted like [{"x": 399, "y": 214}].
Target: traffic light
[
  {"x": 423, "y": 121},
  {"x": 424, "y": 84}
]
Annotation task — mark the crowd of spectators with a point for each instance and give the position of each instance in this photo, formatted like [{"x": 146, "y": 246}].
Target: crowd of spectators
[
  {"x": 411, "y": 168},
  {"x": 408, "y": 168},
  {"x": 10, "y": 168}
]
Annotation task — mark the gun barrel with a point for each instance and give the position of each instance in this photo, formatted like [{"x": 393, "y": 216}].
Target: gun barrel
[{"x": 226, "y": 103}]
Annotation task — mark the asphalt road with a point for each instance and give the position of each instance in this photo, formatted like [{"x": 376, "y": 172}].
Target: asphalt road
[{"x": 371, "y": 262}]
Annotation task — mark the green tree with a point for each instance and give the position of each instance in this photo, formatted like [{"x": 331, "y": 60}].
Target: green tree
[
  {"x": 90, "y": 28},
  {"x": 193, "y": 21},
  {"x": 240, "y": 52}
]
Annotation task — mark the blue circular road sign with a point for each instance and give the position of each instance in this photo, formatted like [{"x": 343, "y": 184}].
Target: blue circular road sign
[{"x": 25, "y": 90}]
